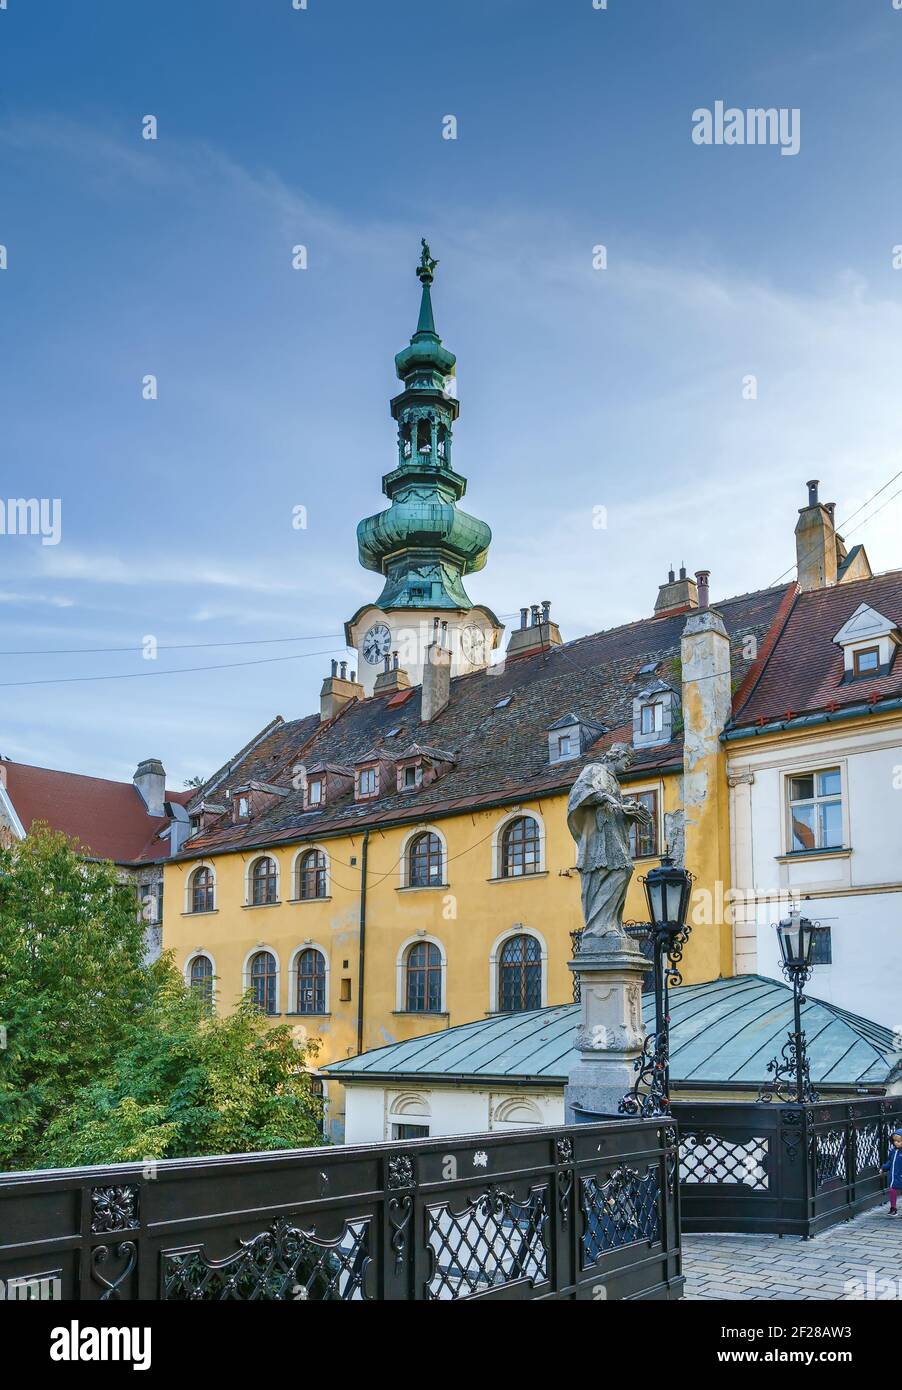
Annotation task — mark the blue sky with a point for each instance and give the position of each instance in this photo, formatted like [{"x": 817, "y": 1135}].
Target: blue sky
[{"x": 579, "y": 388}]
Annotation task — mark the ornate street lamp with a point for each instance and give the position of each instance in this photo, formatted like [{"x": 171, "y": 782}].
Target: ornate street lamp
[
  {"x": 667, "y": 890},
  {"x": 790, "y": 1074}
]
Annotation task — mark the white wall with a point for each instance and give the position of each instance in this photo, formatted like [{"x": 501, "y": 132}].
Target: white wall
[
  {"x": 371, "y": 1110},
  {"x": 856, "y": 891}
]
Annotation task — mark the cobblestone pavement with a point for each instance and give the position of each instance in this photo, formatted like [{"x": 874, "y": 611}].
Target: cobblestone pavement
[{"x": 859, "y": 1259}]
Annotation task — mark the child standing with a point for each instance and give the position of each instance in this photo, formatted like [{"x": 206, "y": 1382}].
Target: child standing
[{"x": 893, "y": 1166}]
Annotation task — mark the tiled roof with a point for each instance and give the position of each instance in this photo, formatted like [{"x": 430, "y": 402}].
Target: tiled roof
[
  {"x": 108, "y": 818},
  {"x": 501, "y": 751},
  {"x": 724, "y": 1032},
  {"x": 804, "y": 671}
]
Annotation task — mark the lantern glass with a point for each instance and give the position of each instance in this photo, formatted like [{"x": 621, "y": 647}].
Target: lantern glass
[
  {"x": 667, "y": 891},
  {"x": 654, "y": 891},
  {"x": 796, "y": 937}
]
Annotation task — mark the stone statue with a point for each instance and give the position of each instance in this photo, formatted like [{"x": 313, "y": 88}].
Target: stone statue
[{"x": 599, "y": 819}]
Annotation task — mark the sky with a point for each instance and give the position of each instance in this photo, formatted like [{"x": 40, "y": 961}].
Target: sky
[{"x": 618, "y": 381}]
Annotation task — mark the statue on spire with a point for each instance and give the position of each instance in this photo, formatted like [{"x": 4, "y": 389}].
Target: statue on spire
[{"x": 426, "y": 268}]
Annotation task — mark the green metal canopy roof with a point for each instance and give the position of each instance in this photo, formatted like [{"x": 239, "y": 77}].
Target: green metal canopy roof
[{"x": 722, "y": 1033}]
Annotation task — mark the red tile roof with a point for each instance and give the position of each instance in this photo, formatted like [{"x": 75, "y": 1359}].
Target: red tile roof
[
  {"x": 803, "y": 673},
  {"x": 108, "y": 818}
]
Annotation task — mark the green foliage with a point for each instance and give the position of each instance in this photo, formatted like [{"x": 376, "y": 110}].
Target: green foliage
[{"x": 109, "y": 1059}]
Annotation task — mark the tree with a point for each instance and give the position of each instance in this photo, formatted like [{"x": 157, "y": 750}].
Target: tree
[{"x": 108, "y": 1058}]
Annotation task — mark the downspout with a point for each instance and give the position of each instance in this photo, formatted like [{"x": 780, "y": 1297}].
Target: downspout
[{"x": 361, "y": 960}]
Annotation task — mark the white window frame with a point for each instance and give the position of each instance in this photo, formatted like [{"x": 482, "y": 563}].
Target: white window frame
[
  {"x": 295, "y": 874},
  {"x": 494, "y": 956},
  {"x": 498, "y": 836},
  {"x": 186, "y": 970},
  {"x": 249, "y": 880},
  {"x": 401, "y": 974},
  {"x": 189, "y": 890},
  {"x": 293, "y": 979},
  {"x": 811, "y": 769},
  {"x": 404, "y": 867},
  {"x": 246, "y": 973}
]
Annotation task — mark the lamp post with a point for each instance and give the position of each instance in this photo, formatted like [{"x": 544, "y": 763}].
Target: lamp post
[
  {"x": 790, "y": 1073},
  {"x": 667, "y": 890}
]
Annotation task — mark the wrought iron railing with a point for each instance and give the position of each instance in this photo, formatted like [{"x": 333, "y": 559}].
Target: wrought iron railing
[
  {"x": 789, "y": 1169},
  {"x": 579, "y": 1212}
]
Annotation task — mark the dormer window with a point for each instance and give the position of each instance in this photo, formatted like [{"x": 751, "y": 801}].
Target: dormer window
[
  {"x": 368, "y": 781},
  {"x": 412, "y": 777},
  {"x": 315, "y": 792},
  {"x": 654, "y": 711},
  {"x": 651, "y": 717},
  {"x": 570, "y": 736},
  {"x": 869, "y": 641},
  {"x": 242, "y": 806}
]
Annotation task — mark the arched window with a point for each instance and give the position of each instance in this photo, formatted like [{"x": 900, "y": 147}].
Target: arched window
[
  {"x": 423, "y": 985},
  {"x": 264, "y": 882},
  {"x": 311, "y": 972},
  {"x": 520, "y": 974},
  {"x": 202, "y": 891},
  {"x": 263, "y": 978},
  {"x": 521, "y": 848},
  {"x": 200, "y": 976},
  {"x": 424, "y": 861},
  {"x": 312, "y": 874}
]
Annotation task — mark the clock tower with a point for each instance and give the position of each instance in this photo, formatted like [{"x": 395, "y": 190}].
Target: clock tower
[{"x": 422, "y": 544}]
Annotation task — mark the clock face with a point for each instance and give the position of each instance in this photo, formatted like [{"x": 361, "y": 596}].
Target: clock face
[
  {"x": 376, "y": 644},
  {"x": 472, "y": 640}
]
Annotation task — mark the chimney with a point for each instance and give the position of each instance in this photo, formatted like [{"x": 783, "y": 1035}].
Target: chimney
[
  {"x": 816, "y": 543},
  {"x": 536, "y": 635},
  {"x": 702, "y": 578},
  {"x": 150, "y": 779},
  {"x": 338, "y": 691},
  {"x": 392, "y": 678},
  {"x": 436, "y": 682},
  {"x": 677, "y": 595}
]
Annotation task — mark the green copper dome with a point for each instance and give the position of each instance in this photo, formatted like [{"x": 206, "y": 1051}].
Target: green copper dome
[{"x": 422, "y": 543}]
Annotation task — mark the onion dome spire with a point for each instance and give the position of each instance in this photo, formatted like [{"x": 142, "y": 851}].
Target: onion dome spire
[{"x": 422, "y": 544}]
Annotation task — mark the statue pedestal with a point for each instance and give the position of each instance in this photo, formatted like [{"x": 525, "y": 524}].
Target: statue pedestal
[{"x": 611, "y": 1032}]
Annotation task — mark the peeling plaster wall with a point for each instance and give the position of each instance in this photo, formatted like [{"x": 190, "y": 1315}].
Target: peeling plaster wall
[{"x": 706, "y": 671}]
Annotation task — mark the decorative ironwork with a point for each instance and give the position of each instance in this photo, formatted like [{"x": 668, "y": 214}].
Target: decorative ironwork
[
  {"x": 400, "y": 1210},
  {"x": 114, "y": 1209},
  {"x": 867, "y": 1148},
  {"x": 564, "y": 1150},
  {"x": 620, "y": 1211},
  {"x": 126, "y": 1250},
  {"x": 575, "y": 938},
  {"x": 828, "y": 1150},
  {"x": 400, "y": 1171},
  {"x": 791, "y": 1132},
  {"x": 282, "y": 1263},
  {"x": 711, "y": 1158},
  {"x": 649, "y": 1096},
  {"x": 495, "y": 1240},
  {"x": 790, "y": 1072}
]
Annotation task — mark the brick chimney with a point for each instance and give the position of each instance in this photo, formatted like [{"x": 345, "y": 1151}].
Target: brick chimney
[
  {"x": 150, "y": 780},
  {"x": 436, "y": 682},
  {"x": 535, "y": 633},
  {"x": 677, "y": 595},
  {"x": 337, "y": 691},
  {"x": 816, "y": 543}
]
